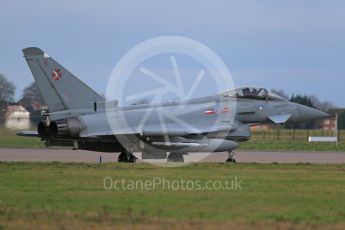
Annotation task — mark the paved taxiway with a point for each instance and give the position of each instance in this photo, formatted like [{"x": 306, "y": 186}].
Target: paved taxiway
[{"x": 66, "y": 155}]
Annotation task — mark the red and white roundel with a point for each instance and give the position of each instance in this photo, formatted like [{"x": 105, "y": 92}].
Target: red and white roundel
[
  {"x": 210, "y": 112},
  {"x": 56, "y": 75}
]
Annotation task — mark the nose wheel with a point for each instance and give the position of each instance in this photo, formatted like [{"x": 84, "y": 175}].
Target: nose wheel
[{"x": 231, "y": 158}]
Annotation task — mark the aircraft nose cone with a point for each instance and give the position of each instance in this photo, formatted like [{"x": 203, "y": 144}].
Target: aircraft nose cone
[{"x": 306, "y": 113}]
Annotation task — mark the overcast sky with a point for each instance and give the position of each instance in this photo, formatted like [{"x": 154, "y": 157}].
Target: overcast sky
[{"x": 297, "y": 46}]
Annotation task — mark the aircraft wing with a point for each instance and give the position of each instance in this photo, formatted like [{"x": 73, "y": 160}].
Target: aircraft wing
[
  {"x": 186, "y": 131},
  {"x": 27, "y": 133},
  {"x": 158, "y": 131}
]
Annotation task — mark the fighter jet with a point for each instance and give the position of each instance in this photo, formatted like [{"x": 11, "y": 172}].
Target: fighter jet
[{"x": 81, "y": 118}]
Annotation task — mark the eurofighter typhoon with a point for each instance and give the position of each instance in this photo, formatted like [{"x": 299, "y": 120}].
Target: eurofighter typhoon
[{"x": 81, "y": 118}]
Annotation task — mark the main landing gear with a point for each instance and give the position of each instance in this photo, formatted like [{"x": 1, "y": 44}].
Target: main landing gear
[
  {"x": 176, "y": 157},
  {"x": 231, "y": 158},
  {"x": 126, "y": 156}
]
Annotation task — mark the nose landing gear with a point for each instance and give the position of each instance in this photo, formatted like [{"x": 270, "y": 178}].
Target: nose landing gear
[{"x": 231, "y": 158}]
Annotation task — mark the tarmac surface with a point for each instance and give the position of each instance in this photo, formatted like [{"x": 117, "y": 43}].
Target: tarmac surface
[{"x": 67, "y": 155}]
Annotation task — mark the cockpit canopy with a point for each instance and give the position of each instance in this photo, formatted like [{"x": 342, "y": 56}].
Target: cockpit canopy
[{"x": 253, "y": 93}]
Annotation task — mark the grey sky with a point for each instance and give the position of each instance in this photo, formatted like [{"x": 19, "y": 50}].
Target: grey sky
[{"x": 297, "y": 46}]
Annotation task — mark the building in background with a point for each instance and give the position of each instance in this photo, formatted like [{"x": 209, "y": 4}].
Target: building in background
[
  {"x": 17, "y": 117},
  {"x": 262, "y": 127},
  {"x": 329, "y": 124}
]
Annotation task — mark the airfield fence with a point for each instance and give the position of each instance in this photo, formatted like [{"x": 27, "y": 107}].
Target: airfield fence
[{"x": 301, "y": 135}]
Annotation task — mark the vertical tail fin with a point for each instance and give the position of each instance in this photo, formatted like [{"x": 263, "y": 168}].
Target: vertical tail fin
[{"x": 60, "y": 89}]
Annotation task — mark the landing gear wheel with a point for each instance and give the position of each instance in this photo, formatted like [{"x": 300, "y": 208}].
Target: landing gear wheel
[
  {"x": 127, "y": 157},
  {"x": 175, "y": 157},
  {"x": 231, "y": 158}
]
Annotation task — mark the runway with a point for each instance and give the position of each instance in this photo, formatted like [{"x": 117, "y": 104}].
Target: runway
[{"x": 67, "y": 155}]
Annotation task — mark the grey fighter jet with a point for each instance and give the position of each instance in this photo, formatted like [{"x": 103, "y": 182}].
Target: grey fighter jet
[{"x": 80, "y": 118}]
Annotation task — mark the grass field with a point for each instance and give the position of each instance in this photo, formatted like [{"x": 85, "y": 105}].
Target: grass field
[
  {"x": 282, "y": 145},
  {"x": 267, "y": 140},
  {"x": 9, "y": 139},
  {"x": 292, "y": 140},
  {"x": 71, "y": 195}
]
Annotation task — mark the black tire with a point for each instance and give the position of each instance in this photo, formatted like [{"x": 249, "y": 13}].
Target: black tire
[
  {"x": 231, "y": 160},
  {"x": 175, "y": 157},
  {"x": 127, "y": 157},
  {"x": 122, "y": 157}
]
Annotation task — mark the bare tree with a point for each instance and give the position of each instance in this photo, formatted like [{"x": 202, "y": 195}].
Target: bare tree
[
  {"x": 281, "y": 93},
  {"x": 6, "y": 95},
  {"x": 31, "y": 96},
  {"x": 321, "y": 105},
  {"x": 7, "y": 89},
  {"x": 314, "y": 100}
]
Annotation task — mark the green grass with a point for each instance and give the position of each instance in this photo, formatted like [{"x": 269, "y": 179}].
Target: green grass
[
  {"x": 9, "y": 139},
  {"x": 290, "y": 140},
  {"x": 266, "y": 145},
  {"x": 72, "y": 194}
]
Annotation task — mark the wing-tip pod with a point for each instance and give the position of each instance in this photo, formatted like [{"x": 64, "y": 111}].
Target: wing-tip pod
[{"x": 27, "y": 133}]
